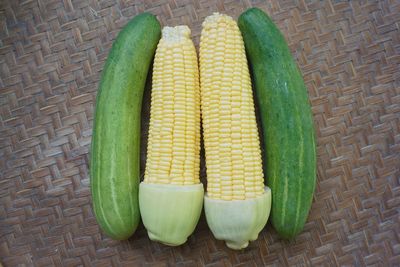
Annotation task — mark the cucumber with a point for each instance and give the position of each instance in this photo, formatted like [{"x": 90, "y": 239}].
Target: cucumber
[
  {"x": 287, "y": 123},
  {"x": 115, "y": 149}
]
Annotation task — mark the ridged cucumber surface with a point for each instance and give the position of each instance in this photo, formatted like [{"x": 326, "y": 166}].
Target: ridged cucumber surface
[
  {"x": 287, "y": 122},
  {"x": 115, "y": 149}
]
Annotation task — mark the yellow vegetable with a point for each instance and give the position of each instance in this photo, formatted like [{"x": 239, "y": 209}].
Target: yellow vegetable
[
  {"x": 171, "y": 195},
  {"x": 237, "y": 204}
]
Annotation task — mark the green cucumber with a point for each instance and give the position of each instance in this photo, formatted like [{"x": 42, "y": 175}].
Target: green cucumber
[
  {"x": 115, "y": 149},
  {"x": 287, "y": 123}
]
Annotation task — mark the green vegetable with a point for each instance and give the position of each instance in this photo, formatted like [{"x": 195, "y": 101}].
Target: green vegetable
[
  {"x": 115, "y": 147},
  {"x": 286, "y": 121}
]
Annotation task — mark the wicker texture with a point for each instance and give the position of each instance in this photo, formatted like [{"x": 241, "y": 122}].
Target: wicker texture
[{"x": 51, "y": 56}]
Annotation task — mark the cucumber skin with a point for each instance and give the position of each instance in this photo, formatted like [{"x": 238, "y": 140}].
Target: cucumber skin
[
  {"x": 115, "y": 149},
  {"x": 286, "y": 118}
]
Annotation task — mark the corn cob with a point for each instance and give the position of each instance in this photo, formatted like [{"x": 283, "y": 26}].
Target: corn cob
[
  {"x": 235, "y": 187},
  {"x": 174, "y": 132},
  {"x": 171, "y": 183}
]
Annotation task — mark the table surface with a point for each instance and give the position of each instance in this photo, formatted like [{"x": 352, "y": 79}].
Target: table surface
[{"x": 51, "y": 56}]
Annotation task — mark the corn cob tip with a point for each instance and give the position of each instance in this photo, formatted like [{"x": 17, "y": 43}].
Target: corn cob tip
[
  {"x": 175, "y": 34},
  {"x": 216, "y": 18}
]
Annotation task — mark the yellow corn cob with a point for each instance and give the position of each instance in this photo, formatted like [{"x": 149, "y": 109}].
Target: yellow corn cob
[
  {"x": 237, "y": 204},
  {"x": 171, "y": 195},
  {"x": 173, "y": 154},
  {"x": 232, "y": 146}
]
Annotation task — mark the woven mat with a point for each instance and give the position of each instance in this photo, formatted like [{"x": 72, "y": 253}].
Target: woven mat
[{"x": 51, "y": 56}]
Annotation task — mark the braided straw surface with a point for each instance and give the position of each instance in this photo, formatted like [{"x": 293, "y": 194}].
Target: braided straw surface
[{"x": 51, "y": 56}]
